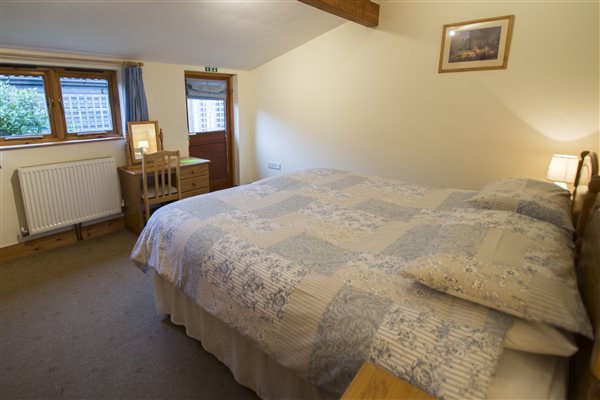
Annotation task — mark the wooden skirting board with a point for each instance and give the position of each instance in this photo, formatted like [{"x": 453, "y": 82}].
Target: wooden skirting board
[{"x": 60, "y": 239}]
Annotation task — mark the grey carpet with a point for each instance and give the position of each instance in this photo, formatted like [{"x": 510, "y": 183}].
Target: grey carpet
[{"x": 79, "y": 323}]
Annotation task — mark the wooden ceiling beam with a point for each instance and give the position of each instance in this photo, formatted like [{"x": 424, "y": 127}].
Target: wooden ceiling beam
[{"x": 364, "y": 12}]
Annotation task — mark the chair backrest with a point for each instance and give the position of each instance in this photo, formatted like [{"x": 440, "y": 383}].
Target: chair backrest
[{"x": 159, "y": 169}]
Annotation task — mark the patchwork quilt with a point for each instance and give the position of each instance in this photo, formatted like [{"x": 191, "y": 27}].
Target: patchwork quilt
[{"x": 312, "y": 267}]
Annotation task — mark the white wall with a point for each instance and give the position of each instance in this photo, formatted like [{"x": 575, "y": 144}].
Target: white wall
[
  {"x": 164, "y": 84},
  {"x": 371, "y": 100},
  {"x": 165, "y": 90}
]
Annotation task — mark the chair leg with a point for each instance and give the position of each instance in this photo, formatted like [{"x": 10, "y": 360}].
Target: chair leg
[{"x": 146, "y": 209}]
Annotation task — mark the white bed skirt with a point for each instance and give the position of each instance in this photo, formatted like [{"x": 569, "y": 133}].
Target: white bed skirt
[
  {"x": 249, "y": 365},
  {"x": 519, "y": 375}
]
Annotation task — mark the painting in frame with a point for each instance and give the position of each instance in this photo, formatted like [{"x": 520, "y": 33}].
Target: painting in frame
[{"x": 476, "y": 45}]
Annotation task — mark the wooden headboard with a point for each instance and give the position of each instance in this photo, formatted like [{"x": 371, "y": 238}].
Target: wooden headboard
[
  {"x": 587, "y": 186},
  {"x": 586, "y": 215}
]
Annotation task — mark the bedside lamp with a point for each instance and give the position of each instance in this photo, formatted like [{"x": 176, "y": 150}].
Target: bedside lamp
[{"x": 562, "y": 169}]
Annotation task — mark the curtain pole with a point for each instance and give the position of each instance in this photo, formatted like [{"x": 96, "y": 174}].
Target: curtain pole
[{"x": 132, "y": 64}]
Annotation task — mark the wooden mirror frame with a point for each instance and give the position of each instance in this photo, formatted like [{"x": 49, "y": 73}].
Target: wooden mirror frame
[{"x": 142, "y": 131}]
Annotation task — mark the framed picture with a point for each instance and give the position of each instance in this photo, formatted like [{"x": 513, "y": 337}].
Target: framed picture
[
  {"x": 142, "y": 137},
  {"x": 475, "y": 45}
]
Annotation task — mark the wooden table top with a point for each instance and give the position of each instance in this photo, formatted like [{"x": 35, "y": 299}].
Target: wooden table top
[
  {"x": 372, "y": 382},
  {"x": 183, "y": 162}
]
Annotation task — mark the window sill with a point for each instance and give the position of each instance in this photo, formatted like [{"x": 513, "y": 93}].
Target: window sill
[{"x": 14, "y": 144}]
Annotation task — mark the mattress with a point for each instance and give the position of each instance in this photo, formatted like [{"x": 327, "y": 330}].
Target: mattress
[{"x": 519, "y": 375}]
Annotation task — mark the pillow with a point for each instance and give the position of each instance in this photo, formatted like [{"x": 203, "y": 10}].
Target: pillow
[
  {"x": 505, "y": 261},
  {"x": 537, "y": 199},
  {"x": 536, "y": 337},
  {"x": 529, "y": 376}
]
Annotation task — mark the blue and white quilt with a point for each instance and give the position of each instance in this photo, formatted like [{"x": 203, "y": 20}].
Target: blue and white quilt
[{"x": 318, "y": 269}]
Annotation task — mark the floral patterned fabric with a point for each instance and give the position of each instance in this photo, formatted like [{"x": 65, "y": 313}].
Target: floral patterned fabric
[
  {"x": 308, "y": 266},
  {"x": 537, "y": 199},
  {"x": 507, "y": 262}
]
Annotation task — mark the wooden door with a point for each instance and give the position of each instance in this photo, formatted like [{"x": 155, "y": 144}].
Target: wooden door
[{"x": 209, "y": 112}]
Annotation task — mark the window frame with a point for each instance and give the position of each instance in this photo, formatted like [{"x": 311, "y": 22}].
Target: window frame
[
  {"x": 228, "y": 102},
  {"x": 55, "y": 106}
]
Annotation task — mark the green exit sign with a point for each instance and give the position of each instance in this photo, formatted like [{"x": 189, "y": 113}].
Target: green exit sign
[{"x": 211, "y": 69}]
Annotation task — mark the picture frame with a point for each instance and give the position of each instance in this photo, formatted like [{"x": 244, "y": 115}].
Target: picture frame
[
  {"x": 142, "y": 137},
  {"x": 476, "y": 45}
]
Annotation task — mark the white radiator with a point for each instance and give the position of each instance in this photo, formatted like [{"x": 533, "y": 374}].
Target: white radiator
[{"x": 63, "y": 194}]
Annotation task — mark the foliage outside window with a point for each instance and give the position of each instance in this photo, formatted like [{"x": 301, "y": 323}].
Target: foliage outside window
[
  {"x": 22, "y": 111},
  {"x": 43, "y": 104}
]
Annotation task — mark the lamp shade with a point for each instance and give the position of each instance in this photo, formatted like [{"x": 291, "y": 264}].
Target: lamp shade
[
  {"x": 562, "y": 168},
  {"x": 143, "y": 145}
]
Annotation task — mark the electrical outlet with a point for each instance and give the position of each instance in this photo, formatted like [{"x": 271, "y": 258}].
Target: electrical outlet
[{"x": 273, "y": 165}]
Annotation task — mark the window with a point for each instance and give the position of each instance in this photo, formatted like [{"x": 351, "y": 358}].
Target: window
[
  {"x": 86, "y": 104},
  {"x": 205, "y": 104},
  {"x": 39, "y": 105}
]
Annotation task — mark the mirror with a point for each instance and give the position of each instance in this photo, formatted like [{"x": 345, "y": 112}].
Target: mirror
[{"x": 142, "y": 137}]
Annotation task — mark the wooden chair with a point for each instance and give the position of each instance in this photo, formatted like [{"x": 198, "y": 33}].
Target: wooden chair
[{"x": 160, "y": 179}]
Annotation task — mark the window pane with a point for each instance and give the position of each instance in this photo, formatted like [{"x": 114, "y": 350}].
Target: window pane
[
  {"x": 23, "y": 109},
  {"x": 205, "y": 104},
  {"x": 206, "y": 115},
  {"x": 86, "y": 105}
]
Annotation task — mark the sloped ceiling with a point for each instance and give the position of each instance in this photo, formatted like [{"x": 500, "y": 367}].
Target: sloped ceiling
[{"x": 241, "y": 34}]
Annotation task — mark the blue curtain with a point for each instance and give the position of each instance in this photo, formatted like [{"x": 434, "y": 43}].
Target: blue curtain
[{"x": 135, "y": 96}]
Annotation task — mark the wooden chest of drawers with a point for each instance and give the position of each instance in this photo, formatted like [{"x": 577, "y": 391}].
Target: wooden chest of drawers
[{"x": 194, "y": 179}]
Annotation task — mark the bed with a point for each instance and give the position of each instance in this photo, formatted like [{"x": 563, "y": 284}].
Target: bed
[{"x": 295, "y": 281}]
